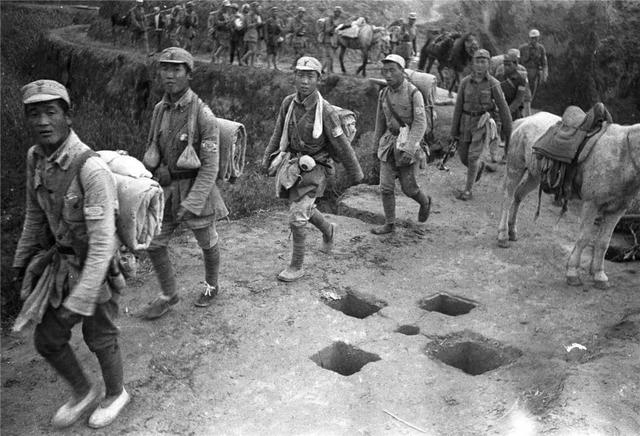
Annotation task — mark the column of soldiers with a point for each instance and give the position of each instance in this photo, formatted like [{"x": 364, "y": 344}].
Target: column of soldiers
[{"x": 79, "y": 218}]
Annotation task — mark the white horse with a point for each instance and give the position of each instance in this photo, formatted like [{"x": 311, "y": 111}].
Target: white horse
[{"x": 610, "y": 173}]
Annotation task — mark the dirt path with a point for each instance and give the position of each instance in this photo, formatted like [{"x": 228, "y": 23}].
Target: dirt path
[{"x": 268, "y": 357}]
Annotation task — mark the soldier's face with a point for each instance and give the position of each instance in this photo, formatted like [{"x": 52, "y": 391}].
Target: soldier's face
[
  {"x": 509, "y": 67},
  {"x": 533, "y": 39},
  {"x": 392, "y": 73},
  {"x": 48, "y": 122},
  {"x": 175, "y": 78},
  {"x": 306, "y": 82},
  {"x": 480, "y": 65}
]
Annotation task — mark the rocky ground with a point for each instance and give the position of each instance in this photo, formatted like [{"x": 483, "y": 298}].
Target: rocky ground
[{"x": 431, "y": 330}]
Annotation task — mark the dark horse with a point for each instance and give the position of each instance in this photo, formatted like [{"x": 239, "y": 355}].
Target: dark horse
[
  {"x": 451, "y": 50},
  {"x": 368, "y": 38}
]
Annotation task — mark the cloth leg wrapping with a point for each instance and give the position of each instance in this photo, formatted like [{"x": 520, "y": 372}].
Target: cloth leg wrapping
[
  {"x": 212, "y": 265},
  {"x": 159, "y": 257},
  {"x": 297, "y": 255}
]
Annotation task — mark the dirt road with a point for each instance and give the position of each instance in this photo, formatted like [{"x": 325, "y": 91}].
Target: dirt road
[{"x": 252, "y": 363}]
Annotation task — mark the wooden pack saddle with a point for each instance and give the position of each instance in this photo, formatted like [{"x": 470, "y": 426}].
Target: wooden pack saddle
[{"x": 564, "y": 146}]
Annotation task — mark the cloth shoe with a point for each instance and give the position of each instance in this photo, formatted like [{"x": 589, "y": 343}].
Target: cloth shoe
[
  {"x": 159, "y": 307},
  {"x": 71, "y": 411},
  {"x": 383, "y": 230},
  {"x": 291, "y": 274},
  {"x": 464, "y": 195},
  {"x": 206, "y": 298},
  {"x": 425, "y": 207},
  {"x": 106, "y": 414}
]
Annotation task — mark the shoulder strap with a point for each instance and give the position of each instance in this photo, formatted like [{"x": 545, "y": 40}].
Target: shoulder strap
[
  {"x": 192, "y": 119},
  {"x": 393, "y": 112},
  {"x": 69, "y": 175}
]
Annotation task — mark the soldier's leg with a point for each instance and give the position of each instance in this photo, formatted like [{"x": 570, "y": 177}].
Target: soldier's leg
[
  {"x": 299, "y": 214},
  {"x": 463, "y": 152},
  {"x": 159, "y": 256},
  {"x": 101, "y": 336},
  {"x": 388, "y": 174},
  {"x": 410, "y": 187},
  {"x": 328, "y": 229},
  {"x": 475, "y": 166},
  {"x": 204, "y": 229},
  {"x": 51, "y": 338}
]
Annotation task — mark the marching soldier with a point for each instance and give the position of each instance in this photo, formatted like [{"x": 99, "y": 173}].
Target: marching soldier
[
  {"x": 191, "y": 195},
  {"x": 534, "y": 57},
  {"x": 407, "y": 39},
  {"x": 314, "y": 138},
  {"x": 400, "y": 107},
  {"x": 298, "y": 29},
  {"x": 479, "y": 98},
  {"x": 71, "y": 213},
  {"x": 330, "y": 38}
]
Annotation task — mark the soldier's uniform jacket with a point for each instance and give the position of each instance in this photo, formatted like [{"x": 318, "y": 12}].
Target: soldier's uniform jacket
[
  {"x": 251, "y": 22},
  {"x": 272, "y": 30},
  {"x": 195, "y": 190},
  {"x": 512, "y": 84},
  {"x": 331, "y": 145},
  {"x": 475, "y": 97},
  {"x": 85, "y": 231},
  {"x": 298, "y": 28},
  {"x": 533, "y": 57},
  {"x": 138, "y": 18},
  {"x": 408, "y": 103}
]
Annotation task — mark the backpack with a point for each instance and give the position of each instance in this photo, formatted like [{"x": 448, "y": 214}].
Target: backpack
[
  {"x": 140, "y": 198},
  {"x": 426, "y": 84}
]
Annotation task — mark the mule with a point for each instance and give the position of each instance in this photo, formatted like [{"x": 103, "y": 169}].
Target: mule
[
  {"x": 451, "y": 50},
  {"x": 609, "y": 169},
  {"x": 369, "y": 37},
  {"x": 437, "y": 48}
]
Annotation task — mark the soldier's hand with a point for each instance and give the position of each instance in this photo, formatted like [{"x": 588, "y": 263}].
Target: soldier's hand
[
  {"x": 17, "y": 275},
  {"x": 68, "y": 317},
  {"x": 181, "y": 213}
]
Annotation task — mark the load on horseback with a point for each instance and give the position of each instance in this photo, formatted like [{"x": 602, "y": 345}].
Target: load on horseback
[
  {"x": 359, "y": 35},
  {"x": 580, "y": 156}
]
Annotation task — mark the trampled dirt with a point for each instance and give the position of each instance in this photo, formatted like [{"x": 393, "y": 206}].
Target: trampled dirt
[
  {"x": 267, "y": 357},
  {"x": 441, "y": 331}
]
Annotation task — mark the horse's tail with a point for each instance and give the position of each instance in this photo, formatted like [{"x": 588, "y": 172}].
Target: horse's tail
[{"x": 422, "y": 61}]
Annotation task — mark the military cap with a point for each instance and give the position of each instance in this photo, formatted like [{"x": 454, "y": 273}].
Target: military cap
[
  {"x": 396, "y": 59},
  {"x": 301, "y": 9},
  {"x": 226, "y": 3},
  {"x": 534, "y": 33},
  {"x": 176, "y": 55},
  {"x": 481, "y": 53},
  {"x": 308, "y": 63},
  {"x": 189, "y": 4},
  {"x": 510, "y": 57},
  {"x": 514, "y": 52},
  {"x": 235, "y": 6},
  {"x": 44, "y": 90},
  {"x": 413, "y": 15},
  {"x": 337, "y": 8}
]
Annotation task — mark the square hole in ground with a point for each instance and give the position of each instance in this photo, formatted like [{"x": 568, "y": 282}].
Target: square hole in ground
[
  {"x": 343, "y": 358},
  {"x": 355, "y": 304},
  {"x": 447, "y": 304},
  {"x": 472, "y": 356}
]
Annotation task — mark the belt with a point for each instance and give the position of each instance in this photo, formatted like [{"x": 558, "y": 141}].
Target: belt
[
  {"x": 181, "y": 175},
  {"x": 65, "y": 250},
  {"x": 474, "y": 113}
]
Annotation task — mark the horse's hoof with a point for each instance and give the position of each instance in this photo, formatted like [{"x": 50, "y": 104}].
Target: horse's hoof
[
  {"x": 503, "y": 243},
  {"x": 513, "y": 236},
  {"x": 574, "y": 281},
  {"x": 601, "y": 284}
]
